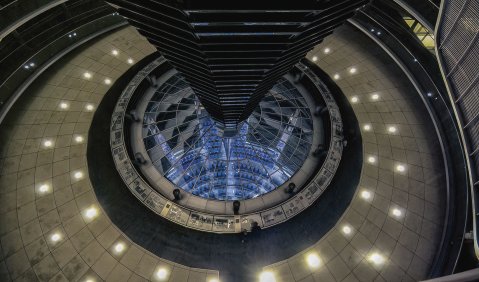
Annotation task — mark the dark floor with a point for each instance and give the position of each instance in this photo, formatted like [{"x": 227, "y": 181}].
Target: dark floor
[{"x": 236, "y": 261}]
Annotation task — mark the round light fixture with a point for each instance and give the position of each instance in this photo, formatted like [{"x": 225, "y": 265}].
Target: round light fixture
[
  {"x": 43, "y": 188},
  {"x": 267, "y": 276},
  {"x": 162, "y": 274},
  {"x": 313, "y": 260},
  {"x": 366, "y": 195},
  {"x": 91, "y": 212},
  {"x": 397, "y": 212},
  {"x": 376, "y": 258},
  {"x": 347, "y": 230}
]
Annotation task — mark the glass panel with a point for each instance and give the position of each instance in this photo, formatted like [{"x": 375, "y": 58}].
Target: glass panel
[{"x": 188, "y": 148}]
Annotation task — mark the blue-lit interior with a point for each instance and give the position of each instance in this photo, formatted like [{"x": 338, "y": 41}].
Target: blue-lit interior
[{"x": 187, "y": 146}]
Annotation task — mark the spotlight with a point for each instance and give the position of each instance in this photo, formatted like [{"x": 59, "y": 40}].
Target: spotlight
[
  {"x": 367, "y": 127},
  {"x": 267, "y": 276},
  {"x": 120, "y": 247},
  {"x": 48, "y": 143},
  {"x": 43, "y": 188},
  {"x": 107, "y": 81},
  {"x": 313, "y": 260},
  {"x": 400, "y": 168},
  {"x": 366, "y": 195},
  {"x": 162, "y": 274},
  {"x": 376, "y": 259},
  {"x": 64, "y": 105},
  {"x": 55, "y": 237},
  {"x": 327, "y": 50},
  {"x": 91, "y": 212},
  {"x": 79, "y": 139},
  {"x": 314, "y": 58},
  {"x": 347, "y": 230},
  {"x": 371, "y": 159},
  {"x": 87, "y": 75},
  {"x": 392, "y": 129},
  {"x": 336, "y": 76},
  {"x": 375, "y": 97},
  {"x": 130, "y": 61},
  {"x": 114, "y": 52},
  {"x": 396, "y": 212},
  {"x": 354, "y": 99},
  {"x": 352, "y": 70},
  {"x": 78, "y": 175},
  {"x": 89, "y": 107}
]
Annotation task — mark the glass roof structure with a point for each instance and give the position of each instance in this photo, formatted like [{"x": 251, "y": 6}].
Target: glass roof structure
[{"x": 189, "y": 148}]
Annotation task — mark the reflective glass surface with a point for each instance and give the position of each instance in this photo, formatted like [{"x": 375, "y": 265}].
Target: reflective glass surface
[{"x": 188, "y": 148}]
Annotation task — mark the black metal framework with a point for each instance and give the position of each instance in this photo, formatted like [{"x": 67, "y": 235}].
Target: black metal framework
[
  {"x": 232, "y": 53},
  {"x": 457, "y": 45}
]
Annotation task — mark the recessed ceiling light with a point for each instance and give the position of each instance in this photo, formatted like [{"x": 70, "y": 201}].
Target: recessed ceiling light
[
  {"x": 48, "y": 143},
  {"x": 213, "y": 280},
  {"x": 79, "y": 139},
  {"x": 327, "y": 50},
  {"x": 376, "y": 258},
  {"x": 375, "y": 97},
  {"x": 26, "y": 67},
  {"x": 114, "y": 52},
  {"x": 366, "y": 195},
  {"x": 55, "y": 237},
  {"x": 43, "y": 188},
  {"x": 130, "y": 61},
  {"x": 347, "y": 229},
  {"x": 429, "y": 94},
  {"x": 87, "y": 75},
  {"x": 89, "y": 107},
  {"x": 314, "y": 58},
  {"x": 336, "y": 76},
  {"x": 367, "y": 127},
  {"x": 78, "y": 175},
  {"x": 162, "y": 274},
  {"x": 371, "y": 159},
  {"x": 400, "y": 168},
  {"x": 353, "y": 70},
  {"x": 64, "y": 105},
  {"x": 396, "y": 212},
  {"x": 120, "y": 247},
  {"x": 267, "y": 276},
  {"x": 91, "y": 212},
  {"x": 354, "y": 99},
  {"x": 392, "y": 129},
  {"x": 313, "y": 260},
  {"x": 107, "y": 81},
  {"x": 32, "y": 64}
]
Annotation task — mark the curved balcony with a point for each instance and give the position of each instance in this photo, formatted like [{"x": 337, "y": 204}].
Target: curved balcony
[
  {"x": 40, "y": 41},
  {"x": 388, "y": 29}
]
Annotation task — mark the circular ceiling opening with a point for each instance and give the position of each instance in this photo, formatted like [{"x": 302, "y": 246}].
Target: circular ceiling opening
[
  {"x": 186, "y": 167},
  {"x": 193, "y": 152}
]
